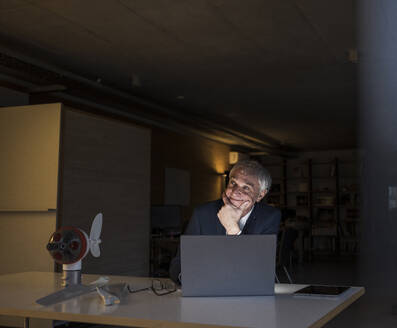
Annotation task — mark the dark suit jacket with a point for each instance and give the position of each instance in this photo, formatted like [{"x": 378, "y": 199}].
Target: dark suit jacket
[{"x": 264, "y": 219}]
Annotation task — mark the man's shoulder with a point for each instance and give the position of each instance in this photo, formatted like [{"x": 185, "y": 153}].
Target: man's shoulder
[
  {"x": 210, "y": 206},
  {"x": 268, "y": 218},
  {"x": 263, "y": 207},
  {"x": 206, "y": 215}
]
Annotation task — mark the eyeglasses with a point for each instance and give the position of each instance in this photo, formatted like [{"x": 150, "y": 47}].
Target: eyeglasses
[{"x": 160, "y": 288}]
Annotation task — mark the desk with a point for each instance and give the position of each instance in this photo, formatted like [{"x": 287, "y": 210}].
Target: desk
[{"x": 19, "y": 291}]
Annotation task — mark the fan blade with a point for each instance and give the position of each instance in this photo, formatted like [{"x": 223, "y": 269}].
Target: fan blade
[
  {"x": 95, "y": 233},
  {"x": 71, "y": 292},
  {"x": 94, "y": 247},
  {"x": 96, "y": 227},
  {"x": 65, "y": 294}
]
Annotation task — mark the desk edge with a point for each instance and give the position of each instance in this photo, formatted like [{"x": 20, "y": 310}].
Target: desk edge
[{"x": 321, "y": 322}]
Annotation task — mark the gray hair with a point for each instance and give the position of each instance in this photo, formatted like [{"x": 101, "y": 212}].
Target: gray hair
[{"x": 256, "y": 169}]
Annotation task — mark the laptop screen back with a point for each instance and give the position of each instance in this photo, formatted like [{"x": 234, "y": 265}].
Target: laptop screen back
[{"x": 228, "y": 265}]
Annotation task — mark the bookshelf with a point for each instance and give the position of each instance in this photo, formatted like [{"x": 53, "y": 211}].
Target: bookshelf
[{"x": 323, "y": 196}]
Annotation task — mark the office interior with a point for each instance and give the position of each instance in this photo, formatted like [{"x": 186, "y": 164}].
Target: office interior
[{"x": 139, "y": 109}]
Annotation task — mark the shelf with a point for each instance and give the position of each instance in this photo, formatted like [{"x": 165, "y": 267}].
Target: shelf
[
  {"x": 332, "y": 162},
  {"x": 297, "y": 179},
  {"x": 297, "y": 206},
  {"x": 328, "y": 182},
  {"x": 325, "y": 206},
  {"x": 341, "y": 162}
]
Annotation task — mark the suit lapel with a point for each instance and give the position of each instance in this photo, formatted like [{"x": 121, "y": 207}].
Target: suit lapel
[
  {"x": 250, "y": 224},
  {"x": 220, "y": 230}
]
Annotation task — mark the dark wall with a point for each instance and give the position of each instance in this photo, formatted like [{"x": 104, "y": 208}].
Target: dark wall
[
  {"x": 378, "y": 96},
  {"x": 205, "y": 160}
]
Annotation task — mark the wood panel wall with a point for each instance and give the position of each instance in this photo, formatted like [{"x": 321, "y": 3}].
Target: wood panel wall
[{"x": 106, "y": 168}]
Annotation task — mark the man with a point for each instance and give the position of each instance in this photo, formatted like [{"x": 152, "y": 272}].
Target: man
[{"x": 238, "y": 212}]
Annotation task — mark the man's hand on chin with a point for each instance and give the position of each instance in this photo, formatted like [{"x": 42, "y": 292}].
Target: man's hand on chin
[{"x": 229, "y": 215}]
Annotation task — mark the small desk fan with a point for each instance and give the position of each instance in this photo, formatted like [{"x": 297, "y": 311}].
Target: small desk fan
[{"x": 69, "y": 245}]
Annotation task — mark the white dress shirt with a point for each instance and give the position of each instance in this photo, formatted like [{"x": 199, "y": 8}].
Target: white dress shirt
[{"x": 243, "y": 220}]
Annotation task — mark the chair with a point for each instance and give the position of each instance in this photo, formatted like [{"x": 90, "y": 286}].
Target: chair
[{"x": 285, "y": 252}]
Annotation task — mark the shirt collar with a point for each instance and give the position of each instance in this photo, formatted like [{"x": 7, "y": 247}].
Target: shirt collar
[{"x": 244, "y": 219}]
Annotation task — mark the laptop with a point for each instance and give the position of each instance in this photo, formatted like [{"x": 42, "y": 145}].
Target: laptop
[{"x": 228, "y": 265}]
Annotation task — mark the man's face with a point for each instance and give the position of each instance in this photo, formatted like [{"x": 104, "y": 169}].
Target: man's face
[{"x": 242, "y": 187}]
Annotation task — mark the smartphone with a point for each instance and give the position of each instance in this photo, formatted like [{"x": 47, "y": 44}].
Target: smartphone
[{"x": 321, "y": 290}]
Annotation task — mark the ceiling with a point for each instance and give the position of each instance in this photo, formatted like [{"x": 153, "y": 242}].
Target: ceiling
[{"x": 261, "y": 74}]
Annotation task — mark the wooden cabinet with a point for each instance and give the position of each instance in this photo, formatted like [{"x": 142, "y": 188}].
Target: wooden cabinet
[{"x": 29, "y": 148}]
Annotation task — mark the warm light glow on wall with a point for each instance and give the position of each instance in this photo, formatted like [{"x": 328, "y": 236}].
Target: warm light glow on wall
[
  {"x": 220, "y": 164},
  {"x": 218, "y": 157},
  {"x": 233, "y": 157},
  {"x": 219, "y": 167}
]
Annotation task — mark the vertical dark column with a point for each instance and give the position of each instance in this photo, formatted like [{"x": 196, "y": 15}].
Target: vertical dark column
[
  {"x": 337, "y": 205},
  {"x": 311, "y": 212},
  {"x": 285, "y": 182},
  {"x": 378, "y": 138}
]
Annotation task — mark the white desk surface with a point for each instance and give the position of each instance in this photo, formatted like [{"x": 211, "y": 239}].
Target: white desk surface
[{"x": 18, "y": 293}]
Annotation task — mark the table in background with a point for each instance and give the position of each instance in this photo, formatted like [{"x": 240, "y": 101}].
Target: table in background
[{"x": 19, "y": 291}]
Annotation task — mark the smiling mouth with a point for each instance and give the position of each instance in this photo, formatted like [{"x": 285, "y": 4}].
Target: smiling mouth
[{"x": 233, "y": 201}]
